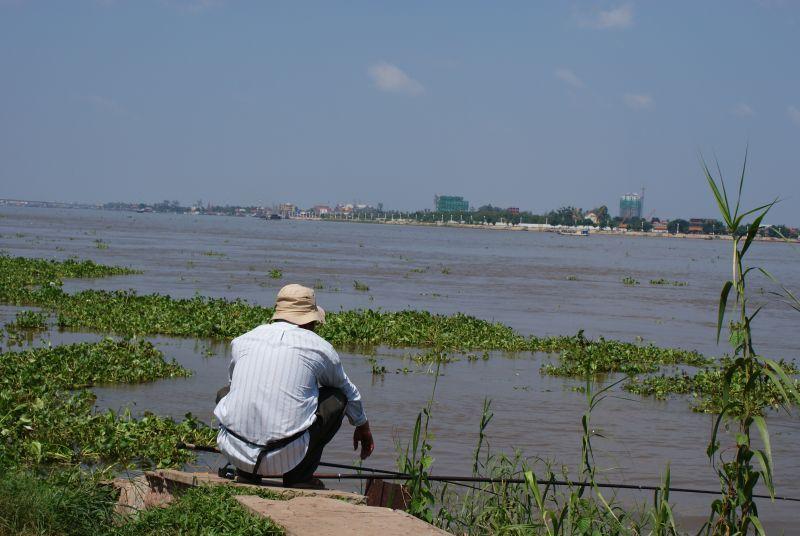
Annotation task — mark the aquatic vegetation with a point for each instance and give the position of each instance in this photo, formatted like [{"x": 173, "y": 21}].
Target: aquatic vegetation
[
  {"x": 662, "y": 281},
  {"x": 46, "y": 415},
  {"x": 126, "y": 312},
  {"x": 572, "y": 278},
  {"x": 445, "y": 270},
  {"x": 579, "y": 356},
  {"x": 275, "y": 273},
  {"x": 434, "y": 355},
  {"x": 75, "y": 366},
  {"x": 28, "y": 320},
  {"x": 37, "y": 282},
  {"x": 24, "y": 280},
  {"x": 629, "y": 281},
  {"x": 99, "y": 244},
  {"x": 706, "y": 387},
  {"x": 361, "y": 287},
  {"x": 377, "y": 369},
  {"x": 211, "y": 253}
]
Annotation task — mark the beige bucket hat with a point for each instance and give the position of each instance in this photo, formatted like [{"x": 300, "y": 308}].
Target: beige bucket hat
[{"x": 298, "y": 304}]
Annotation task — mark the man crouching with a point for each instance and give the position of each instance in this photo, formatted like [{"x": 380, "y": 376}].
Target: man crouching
[{"x": 288, "y": 396}]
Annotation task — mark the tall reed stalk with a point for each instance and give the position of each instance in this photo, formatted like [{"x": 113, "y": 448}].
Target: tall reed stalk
[{"x": 736, "y": 511}]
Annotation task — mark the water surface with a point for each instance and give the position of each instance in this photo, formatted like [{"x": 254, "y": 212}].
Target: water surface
[{"x": 518, "y": 278}]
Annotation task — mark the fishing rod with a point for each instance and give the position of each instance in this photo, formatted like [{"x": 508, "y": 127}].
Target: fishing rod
[{"x": 394, "y": 475}]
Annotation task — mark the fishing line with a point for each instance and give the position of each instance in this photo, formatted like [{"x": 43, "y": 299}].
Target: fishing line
[{"x": 394, "y": 475}]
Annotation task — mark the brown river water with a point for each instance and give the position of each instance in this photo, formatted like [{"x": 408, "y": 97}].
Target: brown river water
[{"x": 518, "y": 278}]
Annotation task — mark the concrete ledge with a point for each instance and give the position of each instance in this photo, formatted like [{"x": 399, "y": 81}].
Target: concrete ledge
[
  {"x": 322, "y": 516},
  {"x": 170, "y": 480}
]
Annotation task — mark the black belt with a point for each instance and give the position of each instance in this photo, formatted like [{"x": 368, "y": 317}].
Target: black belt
[{"x": 269, "y": 447}]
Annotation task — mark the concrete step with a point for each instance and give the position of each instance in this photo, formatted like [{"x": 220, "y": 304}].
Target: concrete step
[
  {"x": 323, "y": 516},
  {"x": 169, "y": 480}
]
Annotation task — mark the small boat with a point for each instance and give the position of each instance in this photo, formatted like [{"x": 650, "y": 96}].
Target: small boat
[{"x": 579, "y": 232}]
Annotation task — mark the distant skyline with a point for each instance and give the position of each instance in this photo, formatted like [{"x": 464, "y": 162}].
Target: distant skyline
[{"x": 533, "y": 105}]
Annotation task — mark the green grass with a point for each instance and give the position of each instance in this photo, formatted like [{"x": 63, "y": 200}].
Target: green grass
[
  {"x": 202, "y": 511},
  {"x": 73, "y": 503},
  {"x": 67, "y": 503}
]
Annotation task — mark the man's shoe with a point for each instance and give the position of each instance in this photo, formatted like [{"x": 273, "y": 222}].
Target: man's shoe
[
  {"x": 247, "y": 478},
  {"x": 314, "y": 483}
]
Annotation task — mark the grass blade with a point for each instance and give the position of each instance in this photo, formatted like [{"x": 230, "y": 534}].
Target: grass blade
[{"x": 723, "y": 303}]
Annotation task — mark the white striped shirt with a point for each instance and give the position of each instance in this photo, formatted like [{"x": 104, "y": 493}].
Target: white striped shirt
[{"x": 275, "y": 373}]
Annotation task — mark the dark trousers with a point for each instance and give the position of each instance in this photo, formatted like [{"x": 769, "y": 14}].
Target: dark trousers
[{"x": 330, "y": 413}]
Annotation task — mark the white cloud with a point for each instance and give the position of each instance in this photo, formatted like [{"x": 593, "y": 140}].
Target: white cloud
[
  {"x": 744, "y": 110},
  {"x": 794, "y": 114},
  {"x": 391, "y": 78},
  {"x": 637, "y": 101},
  {"x": 609, "y": 19},
  {"x": 569, "y": 77}
]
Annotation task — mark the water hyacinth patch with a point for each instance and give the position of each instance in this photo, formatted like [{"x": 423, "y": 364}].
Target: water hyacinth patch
[
  {"x": 705, "y": 387},
  {"x": 46, "y": 416},
  {"x": 579, "y": 356},
  {"x": 28, "y": 320},
  {"x": 22, "y": 277},
  {"x": 662, "y": 281}
]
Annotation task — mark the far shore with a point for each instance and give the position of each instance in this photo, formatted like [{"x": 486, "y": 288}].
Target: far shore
[{"x": 566, "y": 231}]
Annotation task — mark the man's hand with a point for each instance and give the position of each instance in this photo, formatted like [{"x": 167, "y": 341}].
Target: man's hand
[{"x": 363, "y": 435}]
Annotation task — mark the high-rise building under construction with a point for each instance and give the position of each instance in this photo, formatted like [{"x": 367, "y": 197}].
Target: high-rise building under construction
[
  {"x": 630, "y": 206},
  {"x": 450, "y": 203}
]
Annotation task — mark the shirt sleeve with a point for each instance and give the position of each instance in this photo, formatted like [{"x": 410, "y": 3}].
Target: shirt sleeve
[
  {"x": 235, "y": 350},
  {"x": 333, "y": 375}
]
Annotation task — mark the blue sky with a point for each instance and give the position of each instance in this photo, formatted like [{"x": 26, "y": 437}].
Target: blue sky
[{"x": 527, "y": 104}]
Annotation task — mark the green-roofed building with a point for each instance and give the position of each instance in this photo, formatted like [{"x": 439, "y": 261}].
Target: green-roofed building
[{"x": 450, "y": 203}]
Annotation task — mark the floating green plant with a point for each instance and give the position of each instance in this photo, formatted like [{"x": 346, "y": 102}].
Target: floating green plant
[
  {"x": 662, "y": 281},
  {"x": 705, "y": 387},
  {"x": 46, "y": 414},
  {"x": 361, "y": 287},
  {"x": 629, "y": 281},
  {"x": 275, "y": 273},
  {"x": 28, "y": 320}
]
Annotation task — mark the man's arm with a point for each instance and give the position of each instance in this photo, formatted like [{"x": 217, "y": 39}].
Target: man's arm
[
  {"x": 363, "y": 435},
  {"x": 335, "y": 376}
]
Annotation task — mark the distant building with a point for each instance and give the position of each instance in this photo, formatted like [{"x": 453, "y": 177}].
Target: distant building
[
  {"x": 659, "y": 226},
  {"x": 450, "y": 203},
  {"x": 592, "y": 217},
  {"x": 630, "y": 206},
  {"x": 696, "y": 225},
  {"x": 287, "y": 210},
  {"x": 514, "y": 211},
  {"x": 319, "y": 210}
]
